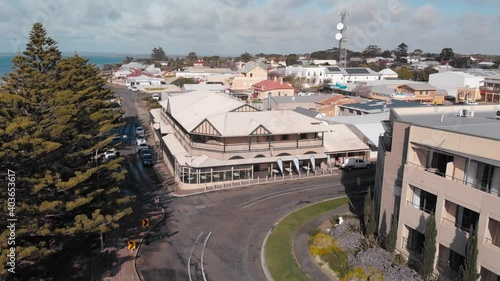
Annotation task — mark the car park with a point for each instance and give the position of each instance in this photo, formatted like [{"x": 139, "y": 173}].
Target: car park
[
  {"x": 350, "y": 163},
  {"x": 139, "y": 131},
  {"x": 140, "y": 139}
]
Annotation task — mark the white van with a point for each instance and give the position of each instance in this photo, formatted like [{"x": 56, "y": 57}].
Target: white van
[{"x": 350, "y": 163}]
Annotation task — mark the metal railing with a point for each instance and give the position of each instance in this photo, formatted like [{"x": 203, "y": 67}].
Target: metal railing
[
  {"x": 452, "y": 223},
  {"x": 490, "y": 241},
  {"x": 452, "y": 178},
  {"x": 421, "y": 208}
]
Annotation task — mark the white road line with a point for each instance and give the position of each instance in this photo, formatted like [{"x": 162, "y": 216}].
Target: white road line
[
  {"x": 283, "y": 191},
  {"x": 190, "y": 254},
  {"x": 293, "y": 191},
  {"x": 203, "y": 254}
]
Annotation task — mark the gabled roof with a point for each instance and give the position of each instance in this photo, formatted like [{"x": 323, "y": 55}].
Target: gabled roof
[
  {"x": 420, "y": 86},
  {"x": 387, "y": 71},
  {"x": 269, "y": 85},
  {"x": 251, "y": 65},
  {"x": 190, "y": 109},
  {"x": 232, "y": 124},
  {"x": 331, "y": 99}
]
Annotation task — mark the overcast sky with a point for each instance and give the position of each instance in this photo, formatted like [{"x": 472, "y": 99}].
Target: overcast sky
[{"x": 230, "y": 27}]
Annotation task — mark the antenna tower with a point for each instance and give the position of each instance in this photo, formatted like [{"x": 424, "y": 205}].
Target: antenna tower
[{"x": 341, "y": 37}]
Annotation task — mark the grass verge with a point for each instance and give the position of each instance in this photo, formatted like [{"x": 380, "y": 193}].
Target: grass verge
[{"x": 278, "y": 249}]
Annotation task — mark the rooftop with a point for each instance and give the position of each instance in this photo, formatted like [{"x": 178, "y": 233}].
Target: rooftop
[
  {"x": 380, "y": 106},
  {"x": 420, "y": 87},
  {"x": 482, "y": 124},
  {"x": 269, "y": 85},
  {"x": 300, "y": 99},
  {"x": 306, "y": 112}
]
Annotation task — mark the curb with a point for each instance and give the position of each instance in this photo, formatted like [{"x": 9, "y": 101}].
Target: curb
[
  {"x": 142, "y": 240},
  {"x": 262, "y": 249},
  {"x": 246, "y": 185}
]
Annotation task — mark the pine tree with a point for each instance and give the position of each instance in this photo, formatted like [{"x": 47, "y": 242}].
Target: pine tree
[
  {"x": 54, "y": 115},
  {"x": 393, "y": 232},
  {"x": 468, "y": 271},
  {"x": 429, "y": 251},
  {"x": 369, "y": 214}
]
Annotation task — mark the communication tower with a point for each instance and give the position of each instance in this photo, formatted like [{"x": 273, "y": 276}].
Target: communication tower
[{"x": 342, "y": 38}]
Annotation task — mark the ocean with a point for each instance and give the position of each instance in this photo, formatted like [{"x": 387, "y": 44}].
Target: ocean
[{"x": 98, "y": 60}]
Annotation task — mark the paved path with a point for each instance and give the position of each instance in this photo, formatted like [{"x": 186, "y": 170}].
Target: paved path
[{"x": 301, "y": 246}]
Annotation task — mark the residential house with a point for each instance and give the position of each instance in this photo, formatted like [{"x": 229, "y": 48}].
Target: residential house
[
  {"x": 250, "y": 74},
  {"x": 442, "y": 161},
  {"x": 490, "y": 92},
  {"x": 275, "y": 88},
  {"x": 222, "y": 139},
  {"x": 388, "y": 73},
  {"x": 418, "y": 92},
  {"x": 360, "y": 74}
]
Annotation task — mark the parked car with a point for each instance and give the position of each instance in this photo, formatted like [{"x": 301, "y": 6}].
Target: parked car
[
  {"x": 450, "y": 98},
  {"x": 156, "y": 96},
  {"x": 140, "y": 140},
  {"x": 139, "y": 131},
  {"x": 110, "y": 154},
  {"x": 141, "y": 147},
  {"x": 134, "y": 89},
  {"x": 350, "y": 163},
  {"x": 147, "y": 159}
]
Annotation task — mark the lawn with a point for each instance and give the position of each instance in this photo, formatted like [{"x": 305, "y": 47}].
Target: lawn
[{"x": 278, "y": 249}]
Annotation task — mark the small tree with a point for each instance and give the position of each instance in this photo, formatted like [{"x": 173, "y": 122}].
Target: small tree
[
  {"x": 429, "y": 254},
  {"x": 393, "y": 233},
  {"x": 369, "y": 214},
  {"x": 468, "y": 271}
]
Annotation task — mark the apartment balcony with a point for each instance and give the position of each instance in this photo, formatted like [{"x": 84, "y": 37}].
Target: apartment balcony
[
  {"x": 246, "y": 147},
  {"x": 491, "y": 89}
]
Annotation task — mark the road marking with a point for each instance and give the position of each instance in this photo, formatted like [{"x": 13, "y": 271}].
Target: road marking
[
  {"x": 290, "y": 192},
  {"x": 203, "y": 254},
  {"x": 283, "y": 191},
  {"x": 190, "y": 254}
]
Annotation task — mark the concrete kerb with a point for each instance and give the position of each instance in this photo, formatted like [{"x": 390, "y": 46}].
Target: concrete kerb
[
  {"x": 262, "y": 249},
  {"x": 230, "y": 187},
  {"x": 142, "y": 240}
]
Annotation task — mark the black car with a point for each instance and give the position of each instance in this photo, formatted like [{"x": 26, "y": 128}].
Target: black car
[
  {"x": 450, "y": 98},
  {"x": 147, "y": 159}
]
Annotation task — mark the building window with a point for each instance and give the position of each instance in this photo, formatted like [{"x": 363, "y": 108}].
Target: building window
[
  {"x": 483, "y": 176},
  {"x": 423, "y": 200},
  {"x": 284, "y": 137},
  {"x": 303, "y": 136},
  {"x": 465, "y": 218},
  {"x": 415, "y": 241},
  {"x": 251, "y": 75}
]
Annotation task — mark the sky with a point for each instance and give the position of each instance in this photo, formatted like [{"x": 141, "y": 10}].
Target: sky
[{"x": 231, "y": 27}]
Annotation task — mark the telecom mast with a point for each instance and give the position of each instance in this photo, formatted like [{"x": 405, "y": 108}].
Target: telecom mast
[{"x": 342, "y": 38}]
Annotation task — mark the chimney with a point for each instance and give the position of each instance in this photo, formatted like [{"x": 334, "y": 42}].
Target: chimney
[
  {"x": 281, "y": 80},
  {"x": 275, "y": 78},
  {"x": 269, "y": 101}
]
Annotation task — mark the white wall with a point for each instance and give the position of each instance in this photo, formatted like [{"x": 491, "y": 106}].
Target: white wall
[{"x": 450, "y": 81}]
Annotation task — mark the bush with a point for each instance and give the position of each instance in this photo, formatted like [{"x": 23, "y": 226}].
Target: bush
[
  {"x": 369, "y": 242},
  {"x": 338, "y": 262},
  {"x": 322, "y": 244},
  {"x": 314, "y": 231},
  {"x": 399, "y": 259},
  {"x": 356, "y": 274}
]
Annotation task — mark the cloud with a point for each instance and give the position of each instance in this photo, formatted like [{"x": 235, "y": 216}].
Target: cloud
[{"x": 233, "y": 26}]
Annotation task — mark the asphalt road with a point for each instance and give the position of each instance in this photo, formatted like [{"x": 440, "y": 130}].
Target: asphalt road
[{"x": 237, "y": 219}]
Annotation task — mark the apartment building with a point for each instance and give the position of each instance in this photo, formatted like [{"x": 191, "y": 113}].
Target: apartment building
[{"x": 446, "y": 161}]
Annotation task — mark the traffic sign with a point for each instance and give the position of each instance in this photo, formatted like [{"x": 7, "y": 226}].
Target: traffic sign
[
  {"x": 131, "y": 245},
  {"x": 145, "y": 222}
]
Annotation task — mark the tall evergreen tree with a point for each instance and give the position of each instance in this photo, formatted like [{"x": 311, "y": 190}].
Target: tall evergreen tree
[
  {"x": 158, "y": 54},
  {"x": 54, "y": 116},
  {"x": 429, "y": 253},
  {"x": 393, "y": 233},
  {"x": 468, "y": 271},
  {"x": 369, "y": 214}
]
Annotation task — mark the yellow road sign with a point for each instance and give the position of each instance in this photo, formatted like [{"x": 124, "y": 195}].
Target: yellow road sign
[
  {"x": 145, "y": 222},
  {"x": 132, "y": 245}
]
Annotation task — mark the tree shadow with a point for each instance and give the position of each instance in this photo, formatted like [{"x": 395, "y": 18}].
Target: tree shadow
[{"x": 382, "y": 232}]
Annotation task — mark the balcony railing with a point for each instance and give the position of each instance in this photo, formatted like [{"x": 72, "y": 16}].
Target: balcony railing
[
  {"x": 454, "y": 224},
  {"x": 490, "y": 241},
  {"x": 409, "y": 202},
  {"x": 452, "y": 178},
  {"x": 496, "y": 89}
]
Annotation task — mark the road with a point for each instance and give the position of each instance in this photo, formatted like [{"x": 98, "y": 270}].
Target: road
[{"x": 237, "y": 219}]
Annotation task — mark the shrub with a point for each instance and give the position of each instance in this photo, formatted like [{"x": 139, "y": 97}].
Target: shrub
[
  {"x": 314, "y": 231},
  {"x": 399, "y": 259},
  {"x": 322, "y": 244},
  {"x": 337, "y": 261},
  {"x": 356, "y": 274},
  {"x": 369, "y": 242}
]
